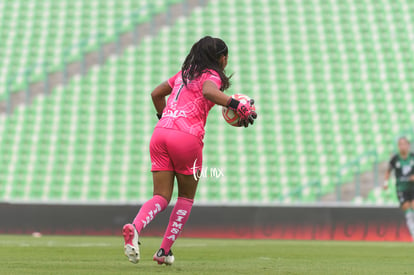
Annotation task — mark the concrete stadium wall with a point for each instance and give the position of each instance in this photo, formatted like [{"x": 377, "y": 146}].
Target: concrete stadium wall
[{"x": 293, "y": 223}]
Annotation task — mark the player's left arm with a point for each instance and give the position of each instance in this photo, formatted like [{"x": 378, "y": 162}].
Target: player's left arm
[
  {"x": 158, "y": 97},
  {"x": 212, "y": 93},
  {"x": 387, "y": 175}
]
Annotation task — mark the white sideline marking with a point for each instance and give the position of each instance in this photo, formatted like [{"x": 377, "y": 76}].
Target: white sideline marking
[
  {"x": 53, "y": 244},
  {"x": 192, "y": 245},
  {"x": 89, "y": 245}
]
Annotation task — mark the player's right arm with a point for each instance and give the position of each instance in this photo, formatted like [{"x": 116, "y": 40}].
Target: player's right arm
[
  {"x": 388, "y": 172},
  {"x": 158, "y": 97},
  {"x": 386, "y": 179}
]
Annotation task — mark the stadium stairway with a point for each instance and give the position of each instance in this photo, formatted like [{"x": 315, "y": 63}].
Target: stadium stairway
[
  {"x": 177, "y": 9},
  {"x": 366, "y": 184}
]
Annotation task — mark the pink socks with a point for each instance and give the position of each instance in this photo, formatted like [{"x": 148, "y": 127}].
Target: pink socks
[
  {"x": 148, "y": 212},
  {"x": 178, "y": 218}
]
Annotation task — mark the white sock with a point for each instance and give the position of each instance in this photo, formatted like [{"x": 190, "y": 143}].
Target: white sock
[{"x": 409, "y": 216}]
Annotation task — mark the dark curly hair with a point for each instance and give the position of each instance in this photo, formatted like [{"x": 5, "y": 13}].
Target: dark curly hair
[{"x": 205, "y": 55}]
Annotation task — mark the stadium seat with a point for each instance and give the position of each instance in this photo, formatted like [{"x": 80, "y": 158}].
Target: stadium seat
[
  {"x": 40, "y": 31},
  {"x": 331, "y": 81}
]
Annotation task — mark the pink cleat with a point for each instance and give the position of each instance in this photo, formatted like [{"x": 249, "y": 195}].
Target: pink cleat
[{"x": 131, "y": 247}]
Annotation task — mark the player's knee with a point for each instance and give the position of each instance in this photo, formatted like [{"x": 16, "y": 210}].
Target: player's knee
[
  {"x": 165, "y": 196},
  {"x": 405, "y": 206},
  {"x": 186, "y": 194}
]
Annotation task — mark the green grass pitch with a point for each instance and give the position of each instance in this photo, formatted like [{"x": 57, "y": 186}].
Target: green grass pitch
[{"x": 104, "y": 255}]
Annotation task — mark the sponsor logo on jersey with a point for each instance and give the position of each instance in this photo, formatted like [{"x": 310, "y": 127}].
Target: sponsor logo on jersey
[
  {"x": 406, "y": 169},
  {"x": 404, "y": 179},
  {"x": 175, "y": 114}
]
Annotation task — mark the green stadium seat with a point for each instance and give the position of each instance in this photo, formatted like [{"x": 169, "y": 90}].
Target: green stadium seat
[
  {"x": 325, "y": 88},
  {"x": 45, "y": 31}
]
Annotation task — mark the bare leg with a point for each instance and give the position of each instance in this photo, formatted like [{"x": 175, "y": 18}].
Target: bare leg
[
  {"x": 187, "y": 186},
  {"x": 163, "y": 184},
  {"x": 409, "y": 216},
  {"x": 406, "y": 206}
]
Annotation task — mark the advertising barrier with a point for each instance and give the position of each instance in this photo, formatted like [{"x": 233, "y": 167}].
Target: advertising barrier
[{"x": 243, "y": 222}]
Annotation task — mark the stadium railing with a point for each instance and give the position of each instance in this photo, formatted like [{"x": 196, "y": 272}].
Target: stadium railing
[
  {"x": 353, "y": 170},
  {"x": 315, "y": 188}
]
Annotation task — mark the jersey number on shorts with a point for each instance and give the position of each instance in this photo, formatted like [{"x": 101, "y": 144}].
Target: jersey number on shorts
[{"x": 178, "y": 93}]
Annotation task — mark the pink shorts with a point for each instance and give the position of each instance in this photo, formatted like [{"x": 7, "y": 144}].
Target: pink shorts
[{"x": 174, "y": 150}]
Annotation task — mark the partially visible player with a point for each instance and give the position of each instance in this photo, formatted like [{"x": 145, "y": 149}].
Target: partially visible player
[
  {"x": 177, "y": 141},
  {"x": 403, "y": 165}
]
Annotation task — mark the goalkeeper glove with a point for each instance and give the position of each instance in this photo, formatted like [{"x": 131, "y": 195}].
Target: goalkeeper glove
[{"x": 244, "y": 110}]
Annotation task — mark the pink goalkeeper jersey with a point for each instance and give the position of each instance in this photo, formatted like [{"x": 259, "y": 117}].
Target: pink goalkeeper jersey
[{"x": 187, "y": 108}]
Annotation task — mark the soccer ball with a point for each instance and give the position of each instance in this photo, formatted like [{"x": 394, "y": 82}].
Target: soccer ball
[{"x": 232, "y": 117}]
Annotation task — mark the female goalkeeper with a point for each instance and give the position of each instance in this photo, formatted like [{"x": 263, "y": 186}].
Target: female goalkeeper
[{"x": 177, "y": 141}]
